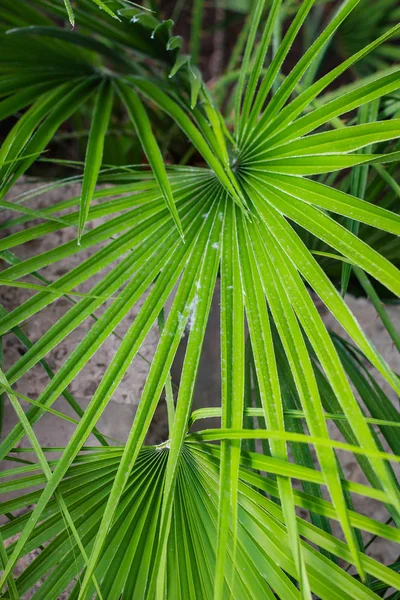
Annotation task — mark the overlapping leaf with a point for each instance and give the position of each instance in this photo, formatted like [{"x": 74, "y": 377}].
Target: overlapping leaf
[{"x": 189, "y": 519}]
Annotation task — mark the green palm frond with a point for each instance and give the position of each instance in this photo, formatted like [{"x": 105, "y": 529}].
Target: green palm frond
[
  {"x": 363, "y": 26},
  {"x": 190, "y": 518},
  {"x": 127, "y": 565}
]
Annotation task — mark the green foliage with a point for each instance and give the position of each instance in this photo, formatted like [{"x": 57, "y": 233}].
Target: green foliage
[
  {"x": 290, "y": 188},
  {"x": 362, "y": 26}
]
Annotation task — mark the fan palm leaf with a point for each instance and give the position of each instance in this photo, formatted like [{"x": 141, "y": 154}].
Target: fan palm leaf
[{"x": 189, "y": 518}]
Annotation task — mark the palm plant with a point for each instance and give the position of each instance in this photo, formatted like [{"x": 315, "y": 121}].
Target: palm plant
[
  {"x": 282, "y": 199},
  {"x": 361, "y": 28}
]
